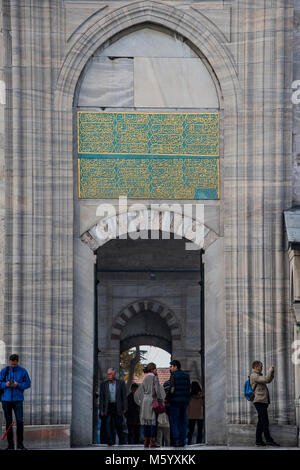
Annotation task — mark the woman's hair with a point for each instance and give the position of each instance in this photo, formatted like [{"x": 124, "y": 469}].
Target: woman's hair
[
  {"x": 195, "y": 388},
  {"x": 149, "y": 367}
]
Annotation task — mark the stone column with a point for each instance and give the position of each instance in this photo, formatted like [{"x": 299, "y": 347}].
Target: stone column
[
  {"x": 215, "y": 345},
  {"x": 3, "y": 32},
  {"x": 83, "y": 370},
  {"x": 38, "y": 292}
]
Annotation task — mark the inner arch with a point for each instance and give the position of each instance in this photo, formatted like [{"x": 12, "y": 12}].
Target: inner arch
[{"x": 146, "y": 328}]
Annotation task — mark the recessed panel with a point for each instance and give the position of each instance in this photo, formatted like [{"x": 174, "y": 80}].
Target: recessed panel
[
  {"x": 107, "y": 82},
  {"x": 173, "y": 83}
]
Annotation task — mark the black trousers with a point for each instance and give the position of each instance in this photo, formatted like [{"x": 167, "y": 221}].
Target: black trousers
[
  {"x": 103, "y": 438},
  {"x": 8, "y": 407},
  {"x": 171, "y": 435},
  {"x": 113, "y": 424},
  {"x": 263, "y": 422},
  {"x": 134, "y": 431},
  {"x": 192, "y": 423}
]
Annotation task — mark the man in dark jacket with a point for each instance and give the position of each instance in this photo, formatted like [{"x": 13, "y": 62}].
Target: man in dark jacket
[
  {"x": 133, "y": 417},
  {"x": 14, "y": 379},
  {"x": 179, "y": 400},
  {"x": 113, "y": 405},
  {"x": 167, "y": 387}
]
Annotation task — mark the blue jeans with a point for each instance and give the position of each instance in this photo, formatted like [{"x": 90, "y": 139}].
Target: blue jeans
[
  {"x": 8, "y": 407},
  {"x": 178, "y": 422}
]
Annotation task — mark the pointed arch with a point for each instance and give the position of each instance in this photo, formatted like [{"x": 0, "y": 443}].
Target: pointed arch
[
  {"x": 197, "y": 29},
  {"x": 152, "y": 306}
]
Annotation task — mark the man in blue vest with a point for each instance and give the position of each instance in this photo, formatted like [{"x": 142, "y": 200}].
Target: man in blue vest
[
  {"x": 14, "y": 379},
  {"x": 179, "y": 399}
]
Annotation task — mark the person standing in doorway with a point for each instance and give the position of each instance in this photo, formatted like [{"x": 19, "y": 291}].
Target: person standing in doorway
[
  {"x": 195, "y": 412},
  {"x": 113, "y": 406},
  {"x": 179, "y": 400},
  {"x": 144, "y": 397},
  {"x": 133, "y": 417},
  {"x": 167, "y": 388},
  {"x": 14, "y": 379},
  {"x": 163, "y": 430},
  {"x": 261, "y": 402}
]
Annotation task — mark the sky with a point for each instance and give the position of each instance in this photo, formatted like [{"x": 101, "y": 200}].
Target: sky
[{"x": 160, "y": 357}]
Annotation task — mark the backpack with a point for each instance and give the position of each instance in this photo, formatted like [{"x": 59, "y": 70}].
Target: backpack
[
  {"x": 4, "y": 378},
  {"x": 248, "y": 391}
]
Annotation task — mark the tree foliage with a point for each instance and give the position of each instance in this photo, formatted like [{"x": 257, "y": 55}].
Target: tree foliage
[{"x": 131, "y": 365}]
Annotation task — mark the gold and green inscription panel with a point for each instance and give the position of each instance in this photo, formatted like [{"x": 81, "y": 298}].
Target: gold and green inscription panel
[{"x": 148, "y": 155}]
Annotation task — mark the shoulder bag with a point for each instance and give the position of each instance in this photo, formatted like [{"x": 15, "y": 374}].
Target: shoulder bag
[{"x": 158, "y": 407}]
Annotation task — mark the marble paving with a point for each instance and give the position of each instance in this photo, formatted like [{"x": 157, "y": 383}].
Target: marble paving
[{"x": 196, "y": 447}]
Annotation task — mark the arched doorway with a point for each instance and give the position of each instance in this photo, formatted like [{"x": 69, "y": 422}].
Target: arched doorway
[
  {"x": 146, "y": 322},
  {"x": 149, "y": 290},
  {"x": 147, "y": 328}
]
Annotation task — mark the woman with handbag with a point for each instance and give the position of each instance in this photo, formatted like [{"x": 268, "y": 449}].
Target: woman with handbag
[{"x": 149, "y": 396}]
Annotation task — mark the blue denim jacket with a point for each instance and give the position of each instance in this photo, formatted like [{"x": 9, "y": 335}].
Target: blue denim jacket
[{"x": 15, "y": 374}]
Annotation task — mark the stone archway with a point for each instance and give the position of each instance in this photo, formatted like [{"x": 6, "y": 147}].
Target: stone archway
[
  {"x": 214, "y": 329},
  {"x": 98, "y": 235},
  {"x": 147, "y": 322},
  {"x": 214, "y": 325},
  {"x": 135, "y": 286},
  {"x": 146, "y": 329},
  {"x": 150, "y": 307}
]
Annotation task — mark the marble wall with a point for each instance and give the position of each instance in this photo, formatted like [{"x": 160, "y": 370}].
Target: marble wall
[
  {"x": 296, "y": 108},
  {"x": 158, "y": 80},
  {"x": 2, "y": 182},
  {"x": 108, "y": 82}
]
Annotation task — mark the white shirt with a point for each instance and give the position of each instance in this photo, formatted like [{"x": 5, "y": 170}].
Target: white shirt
[{"x": 112, "y": 392}]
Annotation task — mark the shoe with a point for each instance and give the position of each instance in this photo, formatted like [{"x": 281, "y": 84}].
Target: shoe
[
  {"x": 179, "y": 444},
  {"x": 153, "y": 443},
  {"x": 10, "y": 447},
  {"x": 272, "y": 444},
  {"x": 260, "y": 444},
  {"x": 21, "y": 447},
  {"x": 146, "y": 441}
]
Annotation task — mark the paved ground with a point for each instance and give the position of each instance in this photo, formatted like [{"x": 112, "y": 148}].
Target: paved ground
[{"x": 178, "y": 449}]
